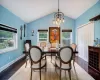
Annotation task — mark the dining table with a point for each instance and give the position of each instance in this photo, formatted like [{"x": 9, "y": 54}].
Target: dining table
[{"x": 52, "y": 51}]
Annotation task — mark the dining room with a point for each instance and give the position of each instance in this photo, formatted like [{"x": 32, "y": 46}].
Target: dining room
[{"x": 49, "y": 40}]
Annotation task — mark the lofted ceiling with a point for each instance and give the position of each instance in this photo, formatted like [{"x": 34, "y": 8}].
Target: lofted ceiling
[{"x": 29, "y": 10}]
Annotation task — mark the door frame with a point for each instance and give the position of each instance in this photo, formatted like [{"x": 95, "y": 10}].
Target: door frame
[{"x": 81, "y": 27}]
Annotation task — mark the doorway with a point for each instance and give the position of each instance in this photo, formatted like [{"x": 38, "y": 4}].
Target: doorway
[{"x": 85, "y": 38}]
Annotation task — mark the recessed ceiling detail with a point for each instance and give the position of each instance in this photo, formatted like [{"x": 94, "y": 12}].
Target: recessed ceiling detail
[{"x": 29, "y": 10}]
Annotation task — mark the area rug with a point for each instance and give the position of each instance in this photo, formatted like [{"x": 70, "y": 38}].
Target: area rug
[{"x": 77, "y": 73}]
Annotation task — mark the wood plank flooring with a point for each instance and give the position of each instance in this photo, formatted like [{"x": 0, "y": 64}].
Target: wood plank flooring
[
  {"x": 88, "y": 69},
  {"x": 80, "y": 61}
]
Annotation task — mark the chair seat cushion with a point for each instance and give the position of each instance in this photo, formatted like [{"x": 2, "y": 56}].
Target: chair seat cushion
[
  {"x": 36, "y": 66},
  {"x": 63, "y": 66}
]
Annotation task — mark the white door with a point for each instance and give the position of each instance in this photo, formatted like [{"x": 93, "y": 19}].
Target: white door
[{"x": 85, "y": 38}]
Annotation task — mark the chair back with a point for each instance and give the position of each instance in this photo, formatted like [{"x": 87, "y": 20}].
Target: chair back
[
  {"x": 54, "y": 45},
  {"x": 43, "y": 44},
  {"x": 74, "y": 46},
  {"x": 35, "y": 54},
  {"x": 27, "y": 47},
  {"x": 65, "y": 54}
]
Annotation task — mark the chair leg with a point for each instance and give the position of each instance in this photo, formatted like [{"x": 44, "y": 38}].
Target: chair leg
[
  {"x": 45, "y": 57},
  {"x": 73, "y": 62},
  {"x": 40, "y": 74},
  {"x": 45, "y": 74},
  {"x": 55, "y": 64},
  {"x": 46, "y": 68},
  {"x": 69, "y": 74},
  {"x": 73, "y": 59},
  {"x": 60, "y": 74},
  {"x": 30, "y": 62},
  {"x": 51, "y": 57},
  {"x": 55, "y": 67},
  {"x": 31, "y": 74},
  {"x": 65, "y": 74},
  {"x": 26, "y": 63}
]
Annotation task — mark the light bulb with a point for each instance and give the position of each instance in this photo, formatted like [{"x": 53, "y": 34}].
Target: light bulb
[
  {"x": 56, "y": 22},
  {"x": 63, "y": 20},
  {"x": 58, "y": 19},
  {"x": 53, "y": 22},
  {"x": 58, "y": 26}
]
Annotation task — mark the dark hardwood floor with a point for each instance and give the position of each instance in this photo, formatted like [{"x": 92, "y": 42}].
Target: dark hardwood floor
[
  {"x": 88, "y": 69},
  {"x": 80, "y": 61},
  {"x": 12, "y": 70}
]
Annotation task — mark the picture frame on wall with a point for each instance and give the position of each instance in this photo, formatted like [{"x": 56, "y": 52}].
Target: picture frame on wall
[{"x": 54, "y": 34}]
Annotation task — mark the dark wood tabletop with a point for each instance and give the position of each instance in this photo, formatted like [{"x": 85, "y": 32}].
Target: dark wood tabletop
[{"x": 50, "y": 51}]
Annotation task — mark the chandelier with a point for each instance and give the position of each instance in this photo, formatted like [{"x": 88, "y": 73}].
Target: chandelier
[{"x": 58, "y": 17}]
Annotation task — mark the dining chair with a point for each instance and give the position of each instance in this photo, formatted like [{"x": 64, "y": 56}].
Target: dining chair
[
  {"x": 54, "y": 47},
  {"x": 37, "y": 62},
  {"x": 43, "y": 45},
  {"x": 26, "y": 52},
  {"x": 63, "y": 60},
  {"x": 74, "y": 46}
]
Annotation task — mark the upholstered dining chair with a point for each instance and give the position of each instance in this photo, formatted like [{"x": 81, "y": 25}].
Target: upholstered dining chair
[
  {"x": 26, "y": 52},
  {"x": 53, "y": 46},
  {"x": 63, "y": 60},
  {"x": 43, "y": 45},
  {"x": 74, "y": 46},
  {"x": 37, "y": 62}
]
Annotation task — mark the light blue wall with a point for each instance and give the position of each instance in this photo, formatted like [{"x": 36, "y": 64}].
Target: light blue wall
[
  {"x": 10, "y": 19},
  {"x": 90, "y": 13},
  {"x": 45, "y": 23}
]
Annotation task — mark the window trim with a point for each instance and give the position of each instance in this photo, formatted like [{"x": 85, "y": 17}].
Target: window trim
[
  {"x": 11, "y": 48},
  {"x": 67, "y": 30},
  {"x": 42, "y": 30},
  {"x": 7, "y": 50}
]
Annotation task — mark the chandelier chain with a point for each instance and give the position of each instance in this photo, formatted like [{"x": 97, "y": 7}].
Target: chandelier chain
[
  {"x": 58, "y": 17},
  {"x": 58, "y": 5}
]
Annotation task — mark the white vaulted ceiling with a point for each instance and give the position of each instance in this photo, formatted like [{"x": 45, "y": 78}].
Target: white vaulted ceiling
[{"x": 29, "y": 10}]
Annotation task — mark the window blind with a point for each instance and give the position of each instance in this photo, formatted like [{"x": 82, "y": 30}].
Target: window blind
[
  {"x": 66, "y": 30},
  {"x": 44, "y": 30},
  {"x": 7, "y": 28}
]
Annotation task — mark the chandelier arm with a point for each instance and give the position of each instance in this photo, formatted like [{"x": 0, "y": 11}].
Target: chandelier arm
[
  {"x": 55, "y": 15},
  {"x": 58, "y": 17}
]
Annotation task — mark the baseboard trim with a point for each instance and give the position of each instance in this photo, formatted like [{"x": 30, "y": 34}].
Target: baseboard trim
[
  {"x": 83, "y": 58},
  {"x": 4, "y": 68}
]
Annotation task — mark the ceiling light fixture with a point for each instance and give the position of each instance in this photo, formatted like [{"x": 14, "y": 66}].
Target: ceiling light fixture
[{"x": 58, "y": 17}]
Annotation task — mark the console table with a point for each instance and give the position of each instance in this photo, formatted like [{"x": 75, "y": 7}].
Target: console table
[{"x": 94, "y": 57}]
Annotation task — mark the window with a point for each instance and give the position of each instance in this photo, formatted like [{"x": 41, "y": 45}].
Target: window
[
  {"x": 42, "y": 35},
  {"x": 66, "y": 37},
  {"x": 8, "y": 38}
]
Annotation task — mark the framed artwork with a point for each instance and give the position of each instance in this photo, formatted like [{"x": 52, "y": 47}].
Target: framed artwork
[{"x": 54, "y": 34}]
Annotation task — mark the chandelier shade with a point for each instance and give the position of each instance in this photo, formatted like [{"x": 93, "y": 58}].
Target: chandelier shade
[{"x": 58, "y": 17}]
